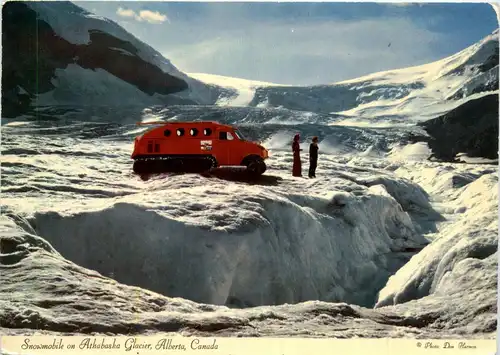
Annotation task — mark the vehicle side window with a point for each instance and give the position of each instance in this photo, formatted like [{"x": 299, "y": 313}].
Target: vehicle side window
[
  {"x": 167, "y": 133},
  {"x": 226, "y": 136},
  {"x": 193, "y": 132},
  {"x": 150, "y": 147},
  {"x": 207, "y": 131},
  {"x": 157, "y": 148},
  {"x": 180, "y": 132}
]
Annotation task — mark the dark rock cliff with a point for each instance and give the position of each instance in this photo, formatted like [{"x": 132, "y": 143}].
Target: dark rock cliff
[{"x": 471, "y": 128}]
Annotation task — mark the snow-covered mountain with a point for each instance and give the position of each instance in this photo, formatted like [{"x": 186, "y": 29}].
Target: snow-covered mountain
[
  {"x": 84, "y": 59},
  {"x": 56, "y": 53},
  {"x": 415, "y": 93},
  {"x": 244, "y": 90}
]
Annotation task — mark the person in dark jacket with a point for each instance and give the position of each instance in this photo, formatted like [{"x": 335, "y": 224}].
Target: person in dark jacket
[
  {"x": 297, "y": 164},
  {"x": 313, "y": 157}
]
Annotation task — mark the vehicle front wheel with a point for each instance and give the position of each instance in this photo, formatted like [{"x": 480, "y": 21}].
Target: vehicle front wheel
[{"x": 256, "y": 166}]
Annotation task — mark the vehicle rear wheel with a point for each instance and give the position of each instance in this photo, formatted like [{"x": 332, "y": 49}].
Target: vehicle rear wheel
[
  {"x": 139, "y": 167},
  {"x": 256, "y": 166},
  {"x": 212, "y": 162}
]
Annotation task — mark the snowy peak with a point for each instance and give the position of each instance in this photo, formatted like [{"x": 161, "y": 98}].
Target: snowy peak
[
  {"x": 481, "y": 52},
  {"x": 76, "y": 25},
  {"x": 415, "y": 93},
  {"x": 242, "y": 91},
  {"x": 439, "y": 87},
  {"x": 83, "y": 59}
]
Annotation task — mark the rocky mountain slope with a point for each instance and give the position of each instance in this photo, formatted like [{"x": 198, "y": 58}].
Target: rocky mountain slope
[{"x": 56, "y": 53}]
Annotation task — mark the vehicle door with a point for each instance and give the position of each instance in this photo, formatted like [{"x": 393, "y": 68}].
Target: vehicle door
[{"x": 225, "y": 141}]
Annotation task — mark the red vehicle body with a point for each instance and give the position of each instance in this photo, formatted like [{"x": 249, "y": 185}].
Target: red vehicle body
[{"x": 195, "y": 147}]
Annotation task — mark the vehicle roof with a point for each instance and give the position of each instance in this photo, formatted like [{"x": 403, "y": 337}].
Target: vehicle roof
[{"x": 184, "y": 123}]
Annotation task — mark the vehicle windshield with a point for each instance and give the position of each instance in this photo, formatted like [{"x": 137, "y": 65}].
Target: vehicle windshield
[{"x": 239, "y": 135}]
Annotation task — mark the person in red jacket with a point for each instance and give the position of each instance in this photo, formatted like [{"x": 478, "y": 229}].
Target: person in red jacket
[{"x": 297, "y": 164}]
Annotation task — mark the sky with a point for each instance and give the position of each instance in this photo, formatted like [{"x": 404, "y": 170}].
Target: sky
[{"x": 300, "y": 43}]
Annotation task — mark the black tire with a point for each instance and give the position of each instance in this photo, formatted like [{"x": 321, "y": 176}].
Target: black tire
[
  {"x": 139, "y": 167},
  {"x": 256, "y": 166},
  {"x": 213, "y": 162},
  {"x": 176, "y": 166}
]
